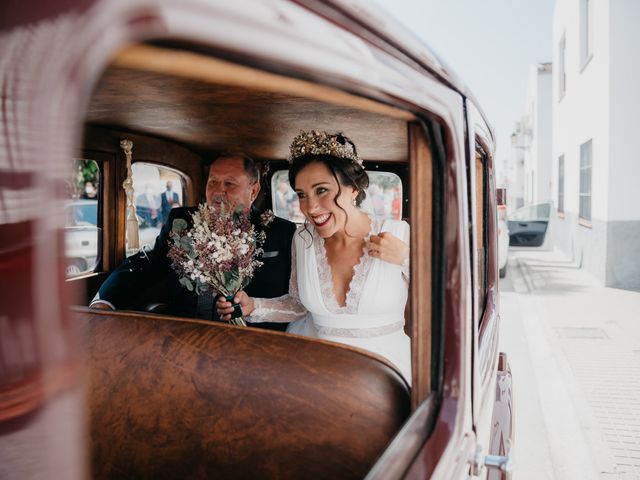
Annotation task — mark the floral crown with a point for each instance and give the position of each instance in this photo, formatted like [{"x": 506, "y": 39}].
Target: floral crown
[{"x": 314, "y": 142}]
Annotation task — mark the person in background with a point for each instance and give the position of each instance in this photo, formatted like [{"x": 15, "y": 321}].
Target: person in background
[
  {"x": 377, "y": 200},
  {"x": 147, "y": 208},
  {"x": 282, "y": 200},
  {"x": 168, "y": 200},
  {"x": 396, "y": 203},
  {"x": 89, "y": 191}
]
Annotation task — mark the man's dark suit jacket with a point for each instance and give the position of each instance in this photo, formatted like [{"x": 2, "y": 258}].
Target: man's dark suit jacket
[{"x": 153, "y": 269}]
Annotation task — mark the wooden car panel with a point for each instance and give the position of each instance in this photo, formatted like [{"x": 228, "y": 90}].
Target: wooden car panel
[{"x": 177, "y": 398}]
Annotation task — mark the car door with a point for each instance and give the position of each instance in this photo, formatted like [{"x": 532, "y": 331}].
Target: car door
[
  {"x": 491, "y": 397},
  {"x": 528, "y": 225}
]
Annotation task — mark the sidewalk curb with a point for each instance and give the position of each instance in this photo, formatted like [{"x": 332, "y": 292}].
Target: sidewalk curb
[{"x": 524, "y": 274}]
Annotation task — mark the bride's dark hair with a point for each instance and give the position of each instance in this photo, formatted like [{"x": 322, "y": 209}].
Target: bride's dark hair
[{"x": 346, "y": 172}]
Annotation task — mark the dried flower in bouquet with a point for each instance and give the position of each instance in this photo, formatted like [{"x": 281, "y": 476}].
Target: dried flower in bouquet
[{"x": 218, "y": 254}]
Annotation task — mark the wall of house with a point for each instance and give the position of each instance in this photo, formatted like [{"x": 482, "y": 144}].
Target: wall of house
[
  {"x": 515, "y": 173},
  {"x": 624, "y": 194},
  {"x": 529, "y": 136},
  {"x": 582, "y": 114},
  {"x": 623, "y": 232},
  {"x": 541, "y": 83}
]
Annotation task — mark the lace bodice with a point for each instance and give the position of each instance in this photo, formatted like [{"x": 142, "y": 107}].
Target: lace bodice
[
  {"x": 360, "y": 270},
  {"x": 373, "y": 315},
  {"x": 289, "y": 307}
]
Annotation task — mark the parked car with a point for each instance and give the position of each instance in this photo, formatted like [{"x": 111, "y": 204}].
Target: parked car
[
  {"x": 528, "y": 225},
  {"x": 167, "y": 397},
  {"x": 81, "y": 236}
]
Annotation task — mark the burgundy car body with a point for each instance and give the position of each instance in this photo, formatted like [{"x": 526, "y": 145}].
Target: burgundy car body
[{"x": 52, "y": 54}]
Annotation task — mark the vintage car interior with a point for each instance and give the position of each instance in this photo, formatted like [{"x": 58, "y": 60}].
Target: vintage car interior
[
  {"x": 183, "y": 398},
  {"x": 111, "y": 114}
]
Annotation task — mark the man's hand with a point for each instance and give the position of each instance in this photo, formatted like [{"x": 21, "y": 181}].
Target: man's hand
[{"x": 101, "y": 305}]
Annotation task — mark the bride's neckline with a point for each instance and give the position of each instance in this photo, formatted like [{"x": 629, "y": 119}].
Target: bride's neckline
[{"x": 360, "y": 269}]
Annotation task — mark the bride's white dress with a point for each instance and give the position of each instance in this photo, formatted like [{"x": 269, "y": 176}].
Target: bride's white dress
[{"x": 373, "y": 315}]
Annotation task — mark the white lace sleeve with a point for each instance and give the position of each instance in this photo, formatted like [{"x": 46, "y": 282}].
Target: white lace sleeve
[
  {"x": 406, "y": 238},
  {"x": 284, "y": 309}
]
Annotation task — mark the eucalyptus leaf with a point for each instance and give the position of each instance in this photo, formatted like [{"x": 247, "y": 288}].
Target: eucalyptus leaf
[
  {"x": 232, "y": 280},
  {"x": 178, "y": 225},
  {"x": 186, "y": 244},
  {"x": 231, "y": 276},
  {"x": 184, "y": 281},
  {"x": 237, "y": 214}
]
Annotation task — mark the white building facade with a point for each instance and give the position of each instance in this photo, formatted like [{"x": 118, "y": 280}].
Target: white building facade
[
  {"x": 530, "y": 159},
  {"x": 538, "y": 129},
  {"x": 514, "y": 167},
  {"x": 596, "y": 136}
]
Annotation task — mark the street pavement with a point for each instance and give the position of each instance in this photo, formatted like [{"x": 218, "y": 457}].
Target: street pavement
[{"x": 574, "y": 350}]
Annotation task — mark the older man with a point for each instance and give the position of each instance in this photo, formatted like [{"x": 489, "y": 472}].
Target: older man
[{"x": 234, "y": 179}]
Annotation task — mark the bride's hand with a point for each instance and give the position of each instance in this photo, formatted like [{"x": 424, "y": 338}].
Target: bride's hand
[
  {"x": 225, "y": 308},
  {"x": 388, "y": 248}
]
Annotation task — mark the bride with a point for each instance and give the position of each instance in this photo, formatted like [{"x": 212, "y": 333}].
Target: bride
[{"x": 350, "y": 272}]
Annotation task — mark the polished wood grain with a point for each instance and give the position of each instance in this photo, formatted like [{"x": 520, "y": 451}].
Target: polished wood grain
[
  {"x": 421, "y": 168},
  {"x": 178, "y": 62},
  {"x": 237, "y": 108},
  {"x": 173, "y": 398}
]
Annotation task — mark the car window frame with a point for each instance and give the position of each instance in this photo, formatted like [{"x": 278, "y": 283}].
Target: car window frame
[{"x": 396, "y": 169}]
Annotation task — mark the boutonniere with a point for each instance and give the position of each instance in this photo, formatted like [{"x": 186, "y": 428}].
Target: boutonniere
[{"x": 266, "y": 217}]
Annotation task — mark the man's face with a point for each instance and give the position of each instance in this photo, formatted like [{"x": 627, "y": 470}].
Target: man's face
[{"x": 229, "y": 182}]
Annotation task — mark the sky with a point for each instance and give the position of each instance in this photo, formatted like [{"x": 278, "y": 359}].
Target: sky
[{"x": 490, "y": 44}]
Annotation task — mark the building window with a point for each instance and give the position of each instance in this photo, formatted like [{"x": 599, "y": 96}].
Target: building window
[
  {"x": 585, "y": 181},
  {"x": 586, "y": 31},
  {"x": 561, "y": 184},
  {"x": 562, "y": 76}
]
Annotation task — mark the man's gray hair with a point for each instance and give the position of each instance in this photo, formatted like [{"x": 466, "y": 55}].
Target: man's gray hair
[{"x": 250, "y": 165}]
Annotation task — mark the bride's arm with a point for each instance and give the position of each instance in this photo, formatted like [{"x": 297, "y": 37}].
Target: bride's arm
[
  {"x": 284, "y": 309},
  {"x": 407, "y": 261}
]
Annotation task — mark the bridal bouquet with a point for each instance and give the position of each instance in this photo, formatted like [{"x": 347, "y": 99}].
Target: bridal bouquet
[{"x": 218, "y": 254}]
